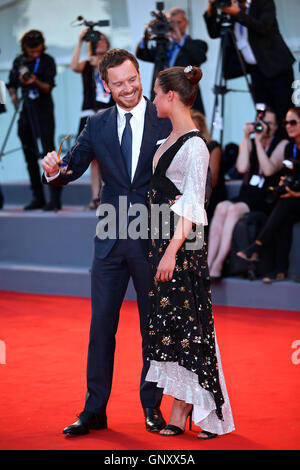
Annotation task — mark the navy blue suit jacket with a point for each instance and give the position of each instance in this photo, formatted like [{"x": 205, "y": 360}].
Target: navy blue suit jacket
[{"x": 99, "y": 140}]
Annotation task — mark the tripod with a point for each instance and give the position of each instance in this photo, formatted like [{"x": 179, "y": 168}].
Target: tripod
[
  {"x": 17, "y": 108},
  {"x": 34, "y": 145},
  {"x": 220, "y": 87},
  {"x": 34, "y": 125}
]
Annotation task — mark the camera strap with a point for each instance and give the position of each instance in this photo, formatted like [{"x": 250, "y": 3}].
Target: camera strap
[
  {"x": 34, "y": 92},
  {"x": 295, "y": 151},
  {"x": 37, "y": 64},
  {"x": 258, "y": 179}
]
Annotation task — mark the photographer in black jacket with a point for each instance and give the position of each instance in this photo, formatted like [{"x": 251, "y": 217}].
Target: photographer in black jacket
[
  {"x": 267, "y": 57},
  {"x": 33, "y": 71},
  {"x": 181, "y": 51}
]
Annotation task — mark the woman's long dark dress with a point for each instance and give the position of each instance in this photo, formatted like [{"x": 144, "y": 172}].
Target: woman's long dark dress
[{"x": 183, "y": 351}]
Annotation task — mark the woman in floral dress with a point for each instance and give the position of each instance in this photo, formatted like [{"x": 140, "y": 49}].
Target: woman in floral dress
[{"x": 183, "y": 349}]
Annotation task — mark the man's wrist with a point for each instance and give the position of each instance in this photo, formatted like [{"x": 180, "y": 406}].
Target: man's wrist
[{"x": 52, "y": 176}]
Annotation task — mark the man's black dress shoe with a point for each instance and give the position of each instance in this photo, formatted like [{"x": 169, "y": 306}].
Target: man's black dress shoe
[
  {"x": 85, "y": 422},
  {"x": 52, "y": 206},
  {"x": 35, "y": 204},
  {"x": 154, "y": 419}
]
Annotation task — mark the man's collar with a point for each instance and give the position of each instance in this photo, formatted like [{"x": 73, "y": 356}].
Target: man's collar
[
  {"x": 181, "y": 43},
  {"x": 136, "y": 111}
]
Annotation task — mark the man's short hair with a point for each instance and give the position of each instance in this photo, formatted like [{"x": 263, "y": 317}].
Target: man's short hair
[
  {"x": 176, "y": 11},
  {"x": 113, "y": 58}
]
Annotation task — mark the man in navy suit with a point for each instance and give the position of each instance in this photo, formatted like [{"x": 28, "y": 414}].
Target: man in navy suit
[{"x": 123, "y": 139}]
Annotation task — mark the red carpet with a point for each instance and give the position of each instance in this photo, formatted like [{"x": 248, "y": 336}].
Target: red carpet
[{"x": 43, "y": 379}]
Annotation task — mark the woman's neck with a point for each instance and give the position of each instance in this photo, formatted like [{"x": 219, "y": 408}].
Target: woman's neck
[{"x": 181, "y": 122}]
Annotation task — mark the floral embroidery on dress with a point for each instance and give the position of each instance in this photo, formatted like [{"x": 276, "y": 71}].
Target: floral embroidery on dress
[{"x": 181, "y": 326}]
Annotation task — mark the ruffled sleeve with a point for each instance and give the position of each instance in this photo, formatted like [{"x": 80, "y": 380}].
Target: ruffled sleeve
[{"x": 195, "y": 161}]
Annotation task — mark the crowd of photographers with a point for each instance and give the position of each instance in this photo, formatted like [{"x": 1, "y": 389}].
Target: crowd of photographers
[
  {"x": 268, "y": 203},
  {"x": 269, "y": 199}
]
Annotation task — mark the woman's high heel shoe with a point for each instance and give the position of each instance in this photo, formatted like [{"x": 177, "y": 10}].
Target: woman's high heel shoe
[
  {"x": 252, "y": 253},
  {"x": 176, "y": 430},
  {"x": 208, "y": 435},
  {"x": 190, "y": 419}
]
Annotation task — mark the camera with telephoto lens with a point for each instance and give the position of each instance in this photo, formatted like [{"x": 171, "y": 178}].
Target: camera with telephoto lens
[
  {"x": 259, "y": 123},
  {"x": 160, "y": 26},
  {"x": 92, "y": 35},
  {"x": 222, "y": 3},
  {"x": 291, "y": 180}
]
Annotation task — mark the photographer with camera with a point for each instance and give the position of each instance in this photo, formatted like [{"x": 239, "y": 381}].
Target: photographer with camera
[
  {"x": 33, "y": 71},
  {"x": 266, "y": 56},
  {"x": 278, "y": 228},
  {"x": 178, "y": 48},
  {"x": 260, "y": 160},
  {"x": 94, "y": 95}
]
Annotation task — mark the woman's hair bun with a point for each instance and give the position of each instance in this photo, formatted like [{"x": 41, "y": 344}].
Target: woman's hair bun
[{"x": 193, "y": 74}]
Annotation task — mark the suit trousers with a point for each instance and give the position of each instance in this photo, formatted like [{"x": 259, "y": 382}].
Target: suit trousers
[
  {"x": 278, "y": 230},
  {"x": 110, "y": 278}
]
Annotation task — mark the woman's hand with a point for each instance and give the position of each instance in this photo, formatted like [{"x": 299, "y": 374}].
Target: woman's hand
[
  {"x": 166, "y": 267},
  {"x": 82, "y": 34},
  {"x": 248, "y": 129}
]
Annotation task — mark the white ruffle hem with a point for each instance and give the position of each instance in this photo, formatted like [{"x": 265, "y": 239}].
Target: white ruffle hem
[{"x": 184, "y": 385}]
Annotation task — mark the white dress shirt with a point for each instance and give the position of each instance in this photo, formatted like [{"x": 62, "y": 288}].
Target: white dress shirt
[
  {"x": 242, "y": 40},
  {"x": 137, "y": 125}
]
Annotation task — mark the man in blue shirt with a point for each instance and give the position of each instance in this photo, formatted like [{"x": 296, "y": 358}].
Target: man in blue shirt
[{"x": 181, "y": 50}]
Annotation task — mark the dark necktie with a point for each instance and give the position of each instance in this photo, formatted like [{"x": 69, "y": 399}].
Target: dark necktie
[{"x": 126, "y": 144}]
